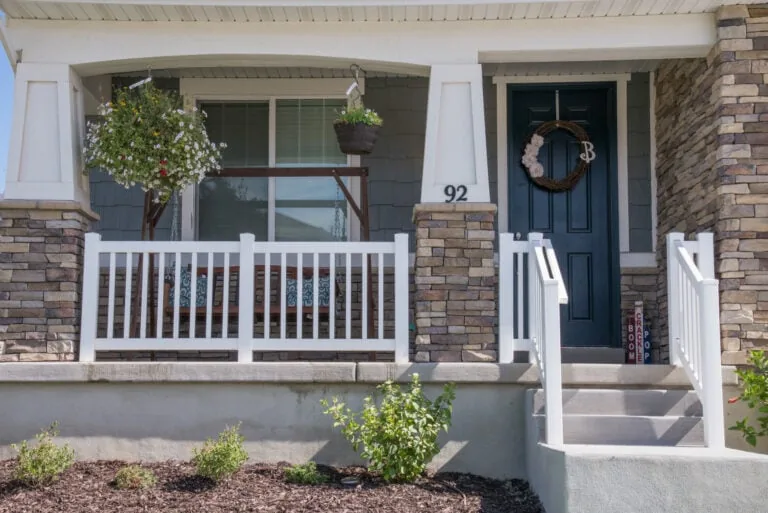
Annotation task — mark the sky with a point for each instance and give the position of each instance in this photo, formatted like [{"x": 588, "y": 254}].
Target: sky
[{"x": 6, "y": 102}]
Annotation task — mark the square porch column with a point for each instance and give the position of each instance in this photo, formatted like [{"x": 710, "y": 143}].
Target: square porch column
[
  {"x": 455, "y": 303},
  {"x": 44, "y": 217}
]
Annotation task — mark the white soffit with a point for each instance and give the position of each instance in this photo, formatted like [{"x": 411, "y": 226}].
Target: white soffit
[{"x": 343, "y": 10}]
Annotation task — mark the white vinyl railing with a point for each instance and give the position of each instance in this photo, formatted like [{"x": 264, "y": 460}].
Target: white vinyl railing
[
  {"x": 694, "y": 325},
  {"x": 132, "y": 299},
  {"x": 514, "y": 330},
  {"x": 530, "y": 283}
]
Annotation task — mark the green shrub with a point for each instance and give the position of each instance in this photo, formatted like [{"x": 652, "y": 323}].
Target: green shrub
[
  {"x": 134, "y": 477},
  {"x": 305, "y": 473},
  {"x": 219, "y": 459},
  {"x": 755, "y": 394},
  {"x": 45, "y": 462},
  {"x": 398, "y": 437}
]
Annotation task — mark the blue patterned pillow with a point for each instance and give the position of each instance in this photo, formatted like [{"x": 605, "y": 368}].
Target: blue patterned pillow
[
  {"x": 307, "y": 291},
  {"x": 185, "y": 293}
]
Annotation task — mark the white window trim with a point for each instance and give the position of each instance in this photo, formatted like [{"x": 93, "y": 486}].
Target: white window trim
[
  {"x": 196, "y": 90},
  {"x": 627, "y": 258}
]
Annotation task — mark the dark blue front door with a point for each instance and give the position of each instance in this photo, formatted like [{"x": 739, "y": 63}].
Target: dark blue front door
[{"x": 580, "y": 222}]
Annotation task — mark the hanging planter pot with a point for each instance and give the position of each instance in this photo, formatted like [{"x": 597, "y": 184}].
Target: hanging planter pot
[
  {"x": 357, "y": 129},
  {"x": 356, "y": 138}
]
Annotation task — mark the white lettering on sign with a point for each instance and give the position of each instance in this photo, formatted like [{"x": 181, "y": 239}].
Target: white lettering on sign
[{"x": 589, "y": 152}]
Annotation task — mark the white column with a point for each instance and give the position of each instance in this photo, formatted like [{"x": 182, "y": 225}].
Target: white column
[
  {"x": 45, "y": 154},
  {"x": 455, "y": 154}
]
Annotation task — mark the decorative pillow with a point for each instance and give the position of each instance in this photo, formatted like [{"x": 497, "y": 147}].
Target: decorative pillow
[
  {"x": 185, "y": 293},
  {"x": 307, "y": 291}
]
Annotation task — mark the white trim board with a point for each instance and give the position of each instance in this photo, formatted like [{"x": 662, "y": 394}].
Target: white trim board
[{"x": 502, "y": 142}]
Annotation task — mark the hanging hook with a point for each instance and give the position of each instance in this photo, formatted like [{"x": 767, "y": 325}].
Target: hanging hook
[{"x": 142, "y": 82}]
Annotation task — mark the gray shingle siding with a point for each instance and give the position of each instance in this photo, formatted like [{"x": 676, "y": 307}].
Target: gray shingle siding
[
  {"x": 639, "y": 160},
  {"x": 396, "y": 165},
  {"x": 120, "y": 210}
]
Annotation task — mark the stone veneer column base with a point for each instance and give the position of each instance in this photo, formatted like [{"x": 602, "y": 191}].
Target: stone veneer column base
[
  {"x": 455, "y": 303},
  {"x": 41, "y": 268}
]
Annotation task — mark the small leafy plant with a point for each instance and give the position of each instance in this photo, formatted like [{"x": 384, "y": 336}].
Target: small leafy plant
[
  {"x": 355, "y": 115},
  {"x": 134, "y": 477},
  {"x": 219, "y": 459},
  {"x": 305, "y": 473},
  {"x": 398, "y": 437},
  {"x": 755, "y": 394},
  {"x": 45, "y": 462}
]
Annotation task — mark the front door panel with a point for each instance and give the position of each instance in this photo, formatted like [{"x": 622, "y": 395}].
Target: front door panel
[{"x": 580, "y": 221}]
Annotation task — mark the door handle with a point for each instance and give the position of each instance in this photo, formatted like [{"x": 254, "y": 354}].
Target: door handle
[{"x": 518, "y": 235}]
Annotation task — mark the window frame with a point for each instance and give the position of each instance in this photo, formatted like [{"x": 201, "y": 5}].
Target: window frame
[{"x": 197, "y": 91}]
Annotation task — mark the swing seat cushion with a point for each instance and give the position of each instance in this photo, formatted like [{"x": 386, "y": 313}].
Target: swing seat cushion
[
  {"x": 307, "y": 292},
  {"x": 185, "y": 291}
]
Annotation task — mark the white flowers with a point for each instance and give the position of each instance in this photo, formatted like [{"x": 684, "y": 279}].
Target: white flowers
[
  {"x": 531, "y": 156},
  {"x": 168, "y": 151}
]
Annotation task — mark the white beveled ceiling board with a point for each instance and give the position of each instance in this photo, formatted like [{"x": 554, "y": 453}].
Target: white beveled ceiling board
[
  {"x": 344, "y": 10},
  {"x": 386, "y": 47}
]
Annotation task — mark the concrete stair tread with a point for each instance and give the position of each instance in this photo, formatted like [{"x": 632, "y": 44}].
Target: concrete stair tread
[{"x": 625, "y": 402}]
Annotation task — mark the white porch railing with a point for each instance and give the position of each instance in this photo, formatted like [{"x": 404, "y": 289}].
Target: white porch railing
[
  {"x": 694, "y": 325},
  {"x": 530, "y": 283},
  {"x": 229, "y": 321}
]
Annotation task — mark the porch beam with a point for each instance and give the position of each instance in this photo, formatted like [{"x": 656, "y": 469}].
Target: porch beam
[{"x": 410, "y": 45}]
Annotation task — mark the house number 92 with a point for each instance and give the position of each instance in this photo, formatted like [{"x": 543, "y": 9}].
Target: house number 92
[{"x": 455, "y": 193}]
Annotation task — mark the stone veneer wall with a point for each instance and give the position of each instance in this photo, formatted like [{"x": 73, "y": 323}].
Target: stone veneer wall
[
  {"x": 712, "y": 168},
  {"x": 455, "y": 304},
  {"x": 41, "y": 262}
]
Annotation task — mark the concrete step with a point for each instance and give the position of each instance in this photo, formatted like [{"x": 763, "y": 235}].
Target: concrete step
[
  {"x": 628, "y": 430},
  {"x": 651, "y": 403}
]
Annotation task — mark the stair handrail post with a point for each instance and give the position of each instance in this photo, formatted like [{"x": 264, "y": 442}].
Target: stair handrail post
[
  {"x": 674, "y": 241},
  {"x": 551, "y": 345},
  {"x": 709, "y": 318},
  {"x": 506, "y": 299}
]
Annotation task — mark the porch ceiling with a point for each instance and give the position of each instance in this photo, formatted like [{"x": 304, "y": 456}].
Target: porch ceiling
[{"x": 343, "y": 10}]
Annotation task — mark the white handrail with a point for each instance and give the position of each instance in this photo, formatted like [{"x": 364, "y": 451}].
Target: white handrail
[
  {"x": 544, "y": 323},
  {"x": 264, "y": 274},
  {"x": 694, "y": 325}
]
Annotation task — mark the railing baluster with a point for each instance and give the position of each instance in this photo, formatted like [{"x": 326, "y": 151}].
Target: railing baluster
[
  {"x": 380, "y": 262},
  {"x": 144, "y": 293},
  {"x": 348, "y": 318},
  {"x": 160, "y": 294},
  {"x": 176, "y": 295},
  {"x": 315, "y": 293},
  {"x": 193, "y": 296},
  {"x": 267, "y": 295},
  {"x": 128, "y": 295},
  {"x": 332, "y": 297},
  {"x": 211, "y": 283},
  {"x": 299, "y": 295},
  {"x": 111, "y": 298},
  {"x": 364, "y": 258},
  {"x": 225, "y": 299},
  {"x": 283, "y": 294}
]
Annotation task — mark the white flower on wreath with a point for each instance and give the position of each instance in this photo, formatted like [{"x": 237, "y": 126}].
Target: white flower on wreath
[{"x": 531, "y": 156}]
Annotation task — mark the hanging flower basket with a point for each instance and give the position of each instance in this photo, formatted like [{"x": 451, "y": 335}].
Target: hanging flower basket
[
  {"x": 357, "y": 130},
  {"x": 357, "y": 139}
]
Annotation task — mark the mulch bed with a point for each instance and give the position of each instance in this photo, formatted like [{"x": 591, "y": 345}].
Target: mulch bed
[{"x": 87, "y": 488}]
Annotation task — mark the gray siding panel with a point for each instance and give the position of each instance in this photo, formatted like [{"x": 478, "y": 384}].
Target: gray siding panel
[
  {"x": 120, "y": 210},
  {"x": 639, "y": 160}
]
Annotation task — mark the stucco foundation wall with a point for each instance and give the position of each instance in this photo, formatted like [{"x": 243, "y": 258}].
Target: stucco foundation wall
[{"x": 281, "y": 421}]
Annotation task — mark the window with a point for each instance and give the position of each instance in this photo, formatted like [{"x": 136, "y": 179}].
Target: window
[{"x": 287, "y": 209}]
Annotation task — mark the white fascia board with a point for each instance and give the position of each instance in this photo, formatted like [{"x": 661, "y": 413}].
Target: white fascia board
[
  {"x": 303, "y": 3},
  {"x": 102, "y": 47}
]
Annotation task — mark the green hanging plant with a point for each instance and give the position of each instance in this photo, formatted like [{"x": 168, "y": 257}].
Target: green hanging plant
[{"x": 145, "y": 138}]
